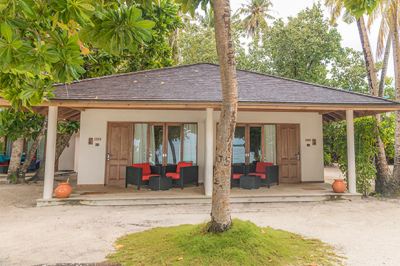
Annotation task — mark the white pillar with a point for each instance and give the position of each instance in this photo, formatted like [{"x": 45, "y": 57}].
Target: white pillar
[
  {"x": 209, "y": 160},
  {"x": 351, "y": 157},
  {"x": 50, "y": 152}
]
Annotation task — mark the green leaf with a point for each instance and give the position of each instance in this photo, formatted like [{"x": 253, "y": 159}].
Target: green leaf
[
  {"x": 88, "y": 7},
  {"x": 145, "y": 24},
  {"x": 3, "y": 4},
  {"x": 6, "y": 31},
  {"x": 360, "y": 7},
  {"x": 26, "y": 6}
]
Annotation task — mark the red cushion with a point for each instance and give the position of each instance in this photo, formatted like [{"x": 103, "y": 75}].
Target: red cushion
[
  {"x": 146, "y": 170},
  {"x": 236, "y": 176},
  {"x": 173, "y": 175},
  {"x": 262, "y": 176},
  {"x": 147, "y": 177},
  {"x": 183, "y": 164},
  {"x": 3, "y": 164},
  {"x": 260, "y": 166}
]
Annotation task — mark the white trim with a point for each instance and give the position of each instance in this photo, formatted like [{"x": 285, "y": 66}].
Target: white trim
[
  {"x": 50, "y": 152},
  {"x": 351, "y": 164}
]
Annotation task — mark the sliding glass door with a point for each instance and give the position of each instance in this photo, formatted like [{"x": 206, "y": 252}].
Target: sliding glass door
[
  {"x": 140, "y": 143},
  {"x": 190, "y": 143},
  {"x": 156, "y": 138},
  {"x": 174, "y": 143},
  {"x": 239, "y": 154},
  {"x": 254, "y": 143},
  {"x": 164, "y": 143}
]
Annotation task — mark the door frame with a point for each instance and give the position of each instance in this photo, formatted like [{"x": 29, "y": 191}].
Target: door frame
[
  {"x": 108, "y": 143},
  {"x": 278, "y": 152}
]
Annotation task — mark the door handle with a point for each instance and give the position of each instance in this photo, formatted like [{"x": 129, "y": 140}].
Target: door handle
[
  {"x": 298, "y": 156},
  {"x": 108, "y": 156}
]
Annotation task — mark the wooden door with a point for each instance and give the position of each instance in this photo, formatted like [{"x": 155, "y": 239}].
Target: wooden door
[
  {"x": 289, "y": 153},
  {"x": 119, "y": 152}
]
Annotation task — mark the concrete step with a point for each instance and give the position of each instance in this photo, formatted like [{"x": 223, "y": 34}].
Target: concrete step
[{"x": 198, "y": 199}]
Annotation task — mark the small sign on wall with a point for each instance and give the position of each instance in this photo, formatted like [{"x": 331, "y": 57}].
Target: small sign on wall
[
  {"x": 94, "y": 141},
  {"x": 310, "y": 142}
]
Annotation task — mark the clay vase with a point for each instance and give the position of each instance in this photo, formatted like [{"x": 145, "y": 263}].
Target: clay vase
[
  {"x": 339, "y": 186},
  {"x": 63, "y": 190}
]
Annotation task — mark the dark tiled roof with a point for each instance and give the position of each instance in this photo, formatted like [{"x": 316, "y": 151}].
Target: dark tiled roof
[{"x": 201, "y": 83}]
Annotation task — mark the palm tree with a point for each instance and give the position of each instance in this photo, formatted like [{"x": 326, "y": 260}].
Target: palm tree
[
  {"x": 337, "y": 7},
  {"x": 388, "y": 11},
  {"x": 220, "y": 210},
  {"x": 256, "y": 13}
]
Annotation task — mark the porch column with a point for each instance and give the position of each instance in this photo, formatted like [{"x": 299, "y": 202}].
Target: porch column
[
  {"x": 209, "y": 160},
  {"x": 351, "y": 161},
  {"x": 50, "y": 152}
]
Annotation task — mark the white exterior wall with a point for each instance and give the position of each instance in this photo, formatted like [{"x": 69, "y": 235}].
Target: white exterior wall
[
  {"x": 67, "y": 157},
  {"x": 91, "y": 162},
  {"x": 312, "y": 158}
]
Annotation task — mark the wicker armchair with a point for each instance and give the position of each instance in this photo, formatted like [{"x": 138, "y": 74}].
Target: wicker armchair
[
  {"x": 237, "y": 171},
  {"x": 268, "y": 172},
  {"x": 183, "y": 173},
  {"x": 139, "y": 174}
]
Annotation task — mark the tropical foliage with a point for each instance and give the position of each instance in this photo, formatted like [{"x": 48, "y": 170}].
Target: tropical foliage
[
  {"x": 19, "y": 124},
  {"x": 45, "y": 42},
  {"x": 60, "y": 41},
  {"x": 157, "y": 52}
]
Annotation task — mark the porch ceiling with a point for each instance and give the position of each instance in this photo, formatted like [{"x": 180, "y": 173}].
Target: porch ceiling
[{"x": 64, "y": 113}]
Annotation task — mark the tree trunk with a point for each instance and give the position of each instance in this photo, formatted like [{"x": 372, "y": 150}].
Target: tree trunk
[
  {"x": 173, "y": 42},
  {"x": 396, "y": 61},
  {"x": 385, "y": 63},
  {"x": 369, "y": 59},
  {"x": 220, "y": 210},
  {"x": 383, "y": 173},
  {"x": 381, "y": 163},
  {"x": 33, "y": 149},
  {"x": 3, "y": 144},
  {"x": 62, "y": 142},
  {"x": 15, "y": 160}
]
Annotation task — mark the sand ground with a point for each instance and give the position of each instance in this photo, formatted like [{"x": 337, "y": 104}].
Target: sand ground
[{"x": 367, "y": 232}]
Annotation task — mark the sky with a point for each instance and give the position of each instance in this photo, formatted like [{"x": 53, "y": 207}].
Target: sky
[{"x": 349, "y": 32}]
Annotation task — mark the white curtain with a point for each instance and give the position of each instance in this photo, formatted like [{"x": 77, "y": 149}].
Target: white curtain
[
  {"x": 140, "y": 143},
  {"x": 270, "y": 143},
  {"x": 152, "y": 146},
  {"x": 190, "y": 143}
]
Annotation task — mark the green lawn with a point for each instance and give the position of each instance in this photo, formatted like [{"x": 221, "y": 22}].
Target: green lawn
[{"x": 244, "y": 244}]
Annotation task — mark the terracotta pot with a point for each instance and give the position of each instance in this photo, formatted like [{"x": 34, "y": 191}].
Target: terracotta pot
[
  {"x": 63, "y": 190},
  {"x": 339, "y": 186}
]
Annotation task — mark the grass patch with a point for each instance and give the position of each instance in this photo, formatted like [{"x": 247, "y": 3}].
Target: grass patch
[{"x": 244, "y": 244}]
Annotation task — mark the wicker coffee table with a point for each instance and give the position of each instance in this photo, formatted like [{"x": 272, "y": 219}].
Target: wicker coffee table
[
  {"x": 250, "y": 182},
  {"x": 160, "y": 183}
]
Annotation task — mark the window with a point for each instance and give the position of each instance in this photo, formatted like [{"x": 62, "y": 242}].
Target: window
[
  {"x": 270, "y": 143},
  {"x": 164, "y": 143},
  {"x": 190, "y": 143},
  {"x": 140, "y": 143},
  {"x": 254, "y": 143},
  {"x": 239, "y": 145}
]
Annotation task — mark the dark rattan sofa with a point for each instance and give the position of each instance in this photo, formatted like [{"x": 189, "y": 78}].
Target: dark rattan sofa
[{"x": 183, "y": 173}]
